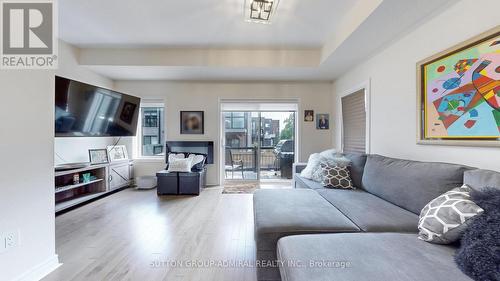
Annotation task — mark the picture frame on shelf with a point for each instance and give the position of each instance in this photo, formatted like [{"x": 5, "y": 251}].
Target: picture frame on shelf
[
  {"x": 98, "y": 156},
  {"x": 117, "y": 153}
]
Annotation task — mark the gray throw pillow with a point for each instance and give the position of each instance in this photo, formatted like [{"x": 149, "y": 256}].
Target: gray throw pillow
[
  {"x": 444, "y": 219},
  {"x": 336, "y": 176}
]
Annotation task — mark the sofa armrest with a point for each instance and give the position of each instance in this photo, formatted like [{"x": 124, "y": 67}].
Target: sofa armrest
[{"x": 298, "y": 167}]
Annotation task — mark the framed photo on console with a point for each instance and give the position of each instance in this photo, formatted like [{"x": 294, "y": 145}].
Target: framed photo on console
[
  {"x": 98, "y": 156},
  {"x": 117, "y": 153},
  {"x": 192, "y": 122},
  {"x": 458, "y": 94}
]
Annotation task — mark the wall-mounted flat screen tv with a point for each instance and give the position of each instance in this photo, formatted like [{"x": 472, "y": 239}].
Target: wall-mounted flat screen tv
[{"x": 83, "y": 110}]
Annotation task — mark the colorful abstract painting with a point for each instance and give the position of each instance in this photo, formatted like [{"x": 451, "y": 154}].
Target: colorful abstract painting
[{"x": 461, "y": 92}]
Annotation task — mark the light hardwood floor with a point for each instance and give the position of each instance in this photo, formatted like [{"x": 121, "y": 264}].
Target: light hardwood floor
[{"x": 131, "y": 234}]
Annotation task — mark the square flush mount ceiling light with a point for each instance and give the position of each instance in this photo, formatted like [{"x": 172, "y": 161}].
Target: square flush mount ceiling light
[{"x": 260, "y": 11}]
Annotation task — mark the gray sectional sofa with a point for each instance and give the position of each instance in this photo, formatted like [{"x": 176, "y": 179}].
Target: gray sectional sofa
[{"x": 314, "y": 231}]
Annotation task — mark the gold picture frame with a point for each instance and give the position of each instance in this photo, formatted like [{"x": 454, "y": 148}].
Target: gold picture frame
[{"x": 446, "y": 97}]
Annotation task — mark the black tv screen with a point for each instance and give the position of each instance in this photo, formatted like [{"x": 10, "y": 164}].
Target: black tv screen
[{"x": 83, "y": 110}]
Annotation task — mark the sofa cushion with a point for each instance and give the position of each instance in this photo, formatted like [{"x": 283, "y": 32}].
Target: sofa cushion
[
  {"x": 410, "y": 184},
  {"x": 369, "y": 212},
  {"x": 357, "y": 167},
  {"x": 300, "y": 211},
  {"x": 279, "y": 213},
  {"x": 479, "y": 179},
  {"x": 301, "y": 182},
  {"x": 365, "y": 257}
]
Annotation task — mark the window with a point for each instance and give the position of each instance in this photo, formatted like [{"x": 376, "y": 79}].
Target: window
[
  {"x": 235, "y": 120},
  {"x": 354, "y": 122},
  {"x": 150, "y": 117},
  {"x": 152, "y": 130}
]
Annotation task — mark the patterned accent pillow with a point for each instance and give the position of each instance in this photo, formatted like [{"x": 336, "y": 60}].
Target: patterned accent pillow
[
  {"x": 336, "y": 176},
  {"x": 444, "y": 219}
]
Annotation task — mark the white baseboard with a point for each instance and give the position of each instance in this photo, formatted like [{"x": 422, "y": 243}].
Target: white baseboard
[{"x": 41, "y": 270}]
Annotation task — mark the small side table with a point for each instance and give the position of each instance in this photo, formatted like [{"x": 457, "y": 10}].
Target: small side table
[
  {"x": 180, "y": 183},
  {"x": 167, "y": 183}
]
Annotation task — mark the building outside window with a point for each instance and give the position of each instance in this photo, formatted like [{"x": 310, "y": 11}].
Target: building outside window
[
  {"x": 152, "y": 131},
  {"x": 150, "y": 118},
  {"x": 235, "y": 120},
  {"x": 237, "y": 129},
  {"x": 241, "y": 127}
]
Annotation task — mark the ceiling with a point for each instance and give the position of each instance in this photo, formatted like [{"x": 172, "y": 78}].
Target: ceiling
[
  {"x": 197, "y": 23},
  {"x": 313, "y": 40}
]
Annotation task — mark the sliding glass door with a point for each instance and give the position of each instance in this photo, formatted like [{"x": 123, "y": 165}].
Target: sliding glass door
[
  {"x": 277, "y": 145},
  {"x": 258, "y": 144}
]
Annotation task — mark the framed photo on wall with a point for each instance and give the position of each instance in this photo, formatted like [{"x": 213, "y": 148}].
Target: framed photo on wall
[
  {"x": 459, "y": 94},
  {"x": 308, "y": 115},
  {"x": 192, "y": 122},
  {"x": 323, "y": 121},
  {"x": 98, "y": 156}
]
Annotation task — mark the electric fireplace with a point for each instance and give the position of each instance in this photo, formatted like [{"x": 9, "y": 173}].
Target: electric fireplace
[{"x": 204, "y": 147}]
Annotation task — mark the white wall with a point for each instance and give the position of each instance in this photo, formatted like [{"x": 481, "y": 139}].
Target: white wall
[
  {"x": 205, "y": 96},
  {"x": 71, "y": 150},
  {"x": 27, "y": 173},
  {"x": 393, "y": 85},
  {"x": 27, "y": 147}
]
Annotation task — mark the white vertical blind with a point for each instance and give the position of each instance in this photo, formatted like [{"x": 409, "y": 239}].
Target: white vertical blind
[{"x": 354, "y": 122}]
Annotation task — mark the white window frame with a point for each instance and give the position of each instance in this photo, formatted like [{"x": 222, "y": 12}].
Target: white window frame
[
  {"x": 290, "y": 104},
  {"x": 366, "y": 86},
  {"x": 137, "y": 141}
]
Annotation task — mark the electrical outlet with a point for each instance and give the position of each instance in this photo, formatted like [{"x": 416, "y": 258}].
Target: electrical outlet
[
  {"x": 2, "y": 243},
  {"x": 8, "y": 240},
  {"x": 11, "y": 240}
]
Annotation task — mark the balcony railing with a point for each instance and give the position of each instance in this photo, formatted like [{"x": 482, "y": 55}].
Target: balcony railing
[{"x": 268, "y": 159}]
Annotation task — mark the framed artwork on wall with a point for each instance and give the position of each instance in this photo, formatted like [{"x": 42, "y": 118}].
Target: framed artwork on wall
[
  {"x": 98, "y": 156},
  {"x": 459, "y": 94},
  {"x": 323, "y": 121},
  {"x": 192, "y": 122},
  {"x": 308, "y": 115}
]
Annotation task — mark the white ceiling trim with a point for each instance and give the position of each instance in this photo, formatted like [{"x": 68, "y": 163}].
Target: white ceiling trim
[
  {"x": 200, "y": 57},
  {"x": 365, "y": 29}
]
